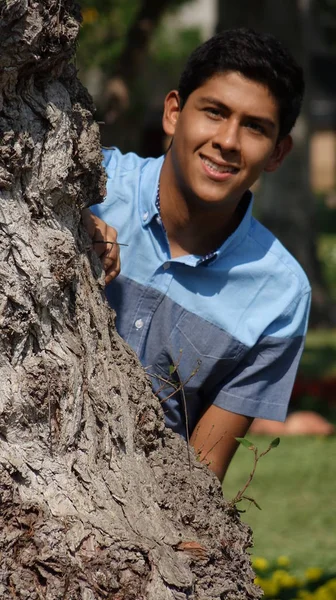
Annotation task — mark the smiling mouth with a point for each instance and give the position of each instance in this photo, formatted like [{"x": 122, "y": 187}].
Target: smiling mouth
[{"x": 217, "y": 167}]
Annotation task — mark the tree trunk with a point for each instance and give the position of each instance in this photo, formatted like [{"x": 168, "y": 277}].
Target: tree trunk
[
  {"x": 286, "y": 203},
  {"x": 98, "y": 499},
  {"x": 138, "y": 38},
  {"x": 120, "y": 87}
]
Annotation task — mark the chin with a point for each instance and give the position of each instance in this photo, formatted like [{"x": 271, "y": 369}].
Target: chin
[{"x": 210, "y": 200}]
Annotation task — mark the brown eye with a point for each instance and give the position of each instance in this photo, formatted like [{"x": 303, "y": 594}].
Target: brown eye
[
  {"x": 255, "y": 126},
  {"x": 212, "y": 112}
]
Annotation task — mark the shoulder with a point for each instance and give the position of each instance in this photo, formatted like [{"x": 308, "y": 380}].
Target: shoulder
[
  {"x": 277, "y": 260},
  {"x": 130, "y": 178},
  {"x": 129, "y": 175},
  {"x": 118, "y": 164},
  {"x": 274, "y": 291},
  {"x": 114, "y": 161}
]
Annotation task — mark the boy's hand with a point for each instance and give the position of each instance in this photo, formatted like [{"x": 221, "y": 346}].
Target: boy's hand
[{"x": 104, "y": 243}]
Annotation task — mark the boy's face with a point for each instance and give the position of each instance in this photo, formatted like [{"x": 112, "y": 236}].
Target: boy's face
[{"x": 223, "y": 138}]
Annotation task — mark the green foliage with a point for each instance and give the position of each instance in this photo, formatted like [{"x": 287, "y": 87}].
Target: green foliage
[
  {"x": 327, "y": 256},
  {"x": 244, "y": 442},
  {"x": 104, "y": 28},
  {"x": 319, "y": 356},
  {"x": 171, "y": 46},
  {"x": 102, "y": 41}
]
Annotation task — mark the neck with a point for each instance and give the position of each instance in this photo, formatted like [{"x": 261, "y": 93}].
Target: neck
[{"x": 192, "y": 228}]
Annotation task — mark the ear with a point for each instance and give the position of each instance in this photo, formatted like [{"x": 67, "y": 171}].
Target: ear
[
  {"x": 279, "y": 153},
  {"x": 171, "y": 112}
]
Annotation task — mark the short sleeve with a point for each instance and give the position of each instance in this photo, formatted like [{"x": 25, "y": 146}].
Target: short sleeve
[{"x": 261, "y": 384}]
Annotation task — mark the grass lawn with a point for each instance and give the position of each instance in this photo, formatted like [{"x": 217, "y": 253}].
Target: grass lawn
[
  {"x": 295, "y": 485},
  {"x": 327, "y": 256},
  {"x": 319, "y": 355}
]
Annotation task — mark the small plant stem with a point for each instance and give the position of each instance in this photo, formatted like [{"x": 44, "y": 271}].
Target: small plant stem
[
  {"x": 257, "y": 457},
  {"x": 213, "y": 446},
  {"x": 240, "y": 494}
]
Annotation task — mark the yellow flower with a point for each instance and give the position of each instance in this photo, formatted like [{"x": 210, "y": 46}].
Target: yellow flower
[
  {"x": 270, "y": 588},
  {"x": 313, "y": 573},
  {"x": 331, "y": 586},
  {"x": 289, "y": 581},
  {"x": 304, "y": 595},
  {"x": 284, "y": 579},
  {"x": 283, "y": 561},
  {"x": 260, "y": 564},
  {"x": 323, "y": 594},
  {"x": 279, "y": 574},
  {"x": 258, "y": 581}
]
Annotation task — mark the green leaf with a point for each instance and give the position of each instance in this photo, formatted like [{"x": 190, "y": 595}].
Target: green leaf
[
  {"x": 275, "y": 443},
  {"x": 171, "y": 369},
  {"x": 245, "y": 442}
]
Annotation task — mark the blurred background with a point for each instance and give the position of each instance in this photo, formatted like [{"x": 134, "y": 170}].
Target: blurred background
[{"x": 130, "y": 54}]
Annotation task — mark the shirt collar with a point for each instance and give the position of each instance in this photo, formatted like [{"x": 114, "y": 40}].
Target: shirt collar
[
  {"x": 149, "y": 184},
  {"x": 245, "y": 206}
]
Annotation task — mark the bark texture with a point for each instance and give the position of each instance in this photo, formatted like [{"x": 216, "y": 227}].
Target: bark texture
[{"x": 97, "y": 498}]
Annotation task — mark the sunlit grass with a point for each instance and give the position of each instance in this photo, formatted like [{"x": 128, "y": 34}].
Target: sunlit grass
[
  {"x": 295, "y": 485},
  {"x": 327, "y": 256}
]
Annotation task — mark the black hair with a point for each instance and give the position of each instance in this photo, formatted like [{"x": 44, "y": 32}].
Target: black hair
[{"x": 257, "y": 56}]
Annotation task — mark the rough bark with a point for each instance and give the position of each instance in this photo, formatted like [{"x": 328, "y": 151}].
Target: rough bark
[{"x": 97, "y": 497}]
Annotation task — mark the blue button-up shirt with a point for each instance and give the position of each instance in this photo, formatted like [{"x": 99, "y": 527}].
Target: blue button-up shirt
[{"x": 228, "y": 328}]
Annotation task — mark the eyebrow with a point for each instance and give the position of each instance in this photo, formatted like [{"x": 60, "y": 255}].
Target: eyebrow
[{"x": 222, "y": 106}]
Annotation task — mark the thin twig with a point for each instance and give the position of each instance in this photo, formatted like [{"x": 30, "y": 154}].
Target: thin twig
[
  {"x": 177, "y": 386},
  {"x": 213, "y": 446},
  {"x": 238, "y": 497},
  {"x": 257, "y": 457},
  {"x": 206, "y": 439},
  {"x": 108, "y": 242},
  {"x": 186, "y": 423}
]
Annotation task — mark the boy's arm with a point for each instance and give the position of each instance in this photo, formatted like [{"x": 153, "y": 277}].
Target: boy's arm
[
  {"x": 260, "y": 385},
  {"x": 214, "y": 436}
]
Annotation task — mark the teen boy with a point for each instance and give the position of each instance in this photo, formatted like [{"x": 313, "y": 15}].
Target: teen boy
[{"x": 207, "y": 297}]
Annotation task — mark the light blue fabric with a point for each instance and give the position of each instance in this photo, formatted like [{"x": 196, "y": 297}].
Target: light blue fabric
[{"x": 234, "y": 325}]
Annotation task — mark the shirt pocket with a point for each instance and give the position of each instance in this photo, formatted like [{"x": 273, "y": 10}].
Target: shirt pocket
[{"x": 198, "y": 354}]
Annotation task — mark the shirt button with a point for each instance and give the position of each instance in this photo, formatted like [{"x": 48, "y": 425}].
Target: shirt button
[
  {"x": 138, "y": 323},
  {"x": 145, "y": 216},
  {"x": 166, "y": 265}
]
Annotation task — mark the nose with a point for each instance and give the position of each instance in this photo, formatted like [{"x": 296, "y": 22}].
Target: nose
[{"x": 227, "y": 136}]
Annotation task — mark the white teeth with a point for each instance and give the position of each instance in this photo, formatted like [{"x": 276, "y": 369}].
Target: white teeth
[{"x": 218, "y": 168}]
